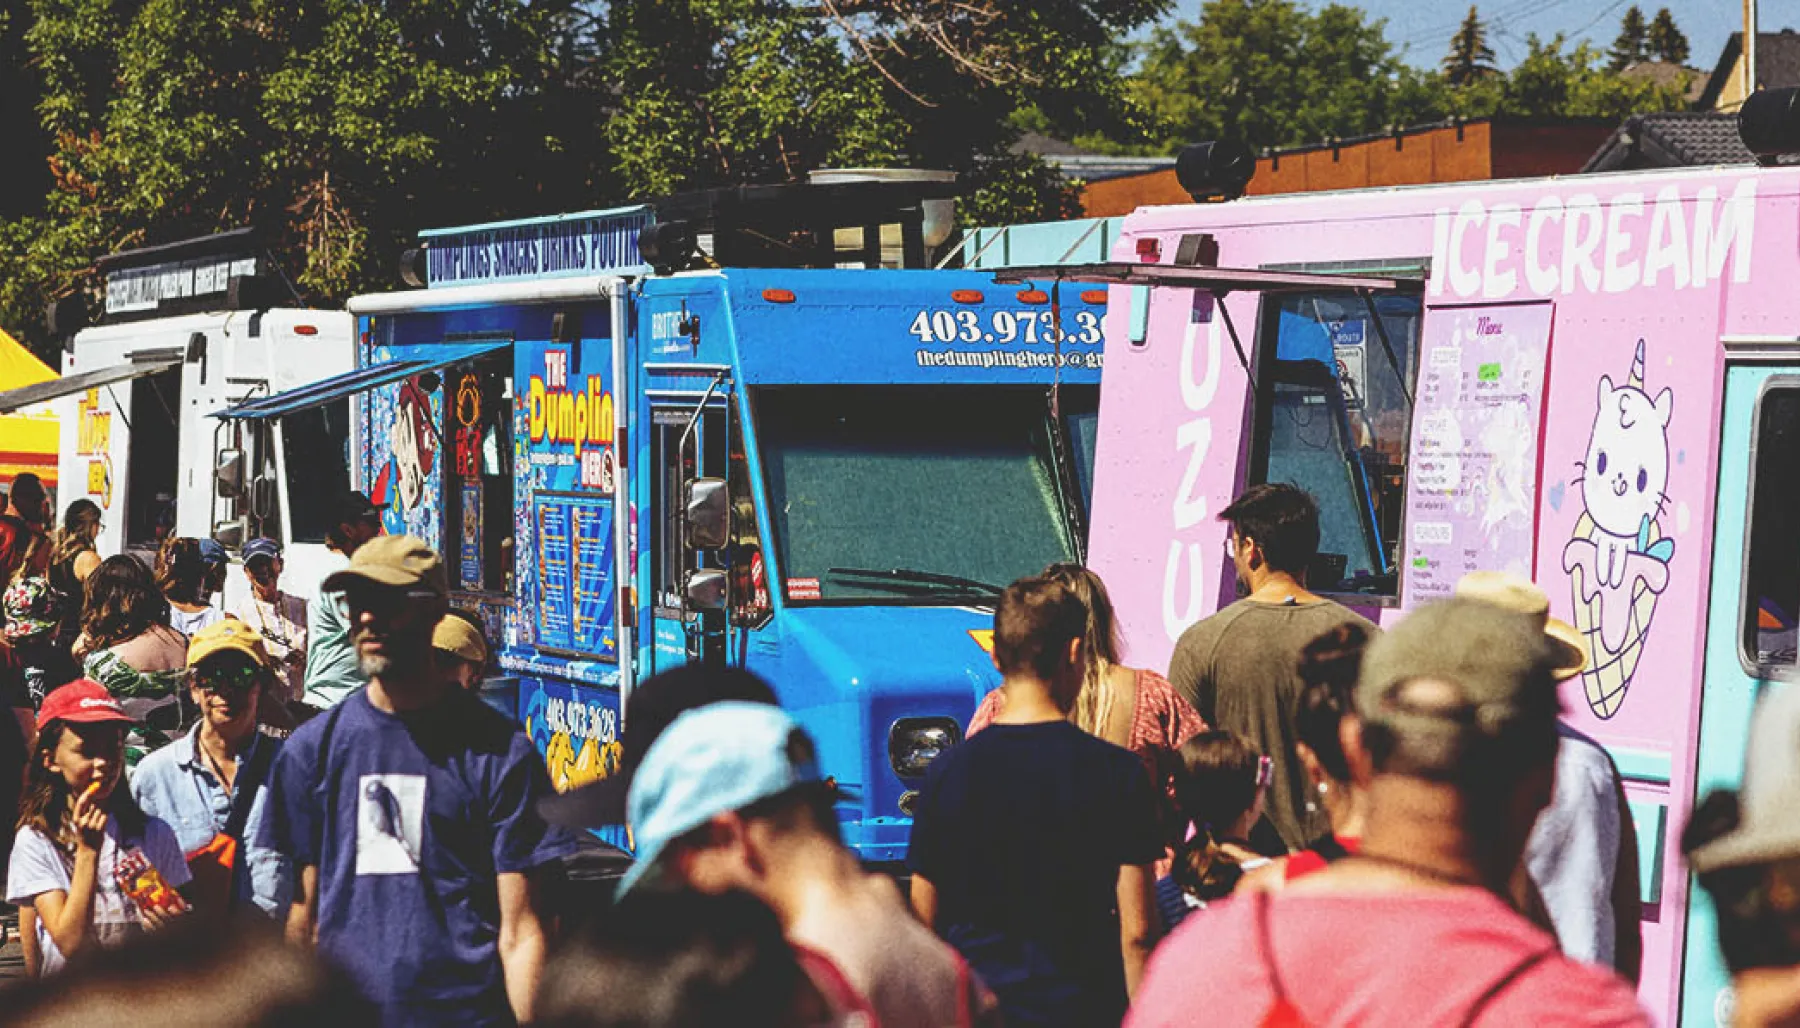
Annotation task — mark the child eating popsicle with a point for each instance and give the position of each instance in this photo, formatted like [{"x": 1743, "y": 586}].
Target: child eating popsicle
[{"x": 94, "y": 868}]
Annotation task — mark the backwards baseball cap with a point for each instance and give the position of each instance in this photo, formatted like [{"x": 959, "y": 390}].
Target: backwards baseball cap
[
  {"x": 354, "y": 506},
  {"x": 455, "y": 634},
  {"x": 1521, "y": 595},
  {"x": 654, "y": 705},
  {"x": 1767, "y": 829},
  {"x": 261, "y": 546},
  {"x": 83, "y": 701},
  {"x": 712, "y": 761},
  {"x": 393, "y": 560},
  {"x": 227, "y": 636},
  {"x": 1498, "y": 664}
]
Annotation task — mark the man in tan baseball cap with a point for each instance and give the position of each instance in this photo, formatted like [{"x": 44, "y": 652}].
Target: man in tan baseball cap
[{"x": 1582, "y": 855}]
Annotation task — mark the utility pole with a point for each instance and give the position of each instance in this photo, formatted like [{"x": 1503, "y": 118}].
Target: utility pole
[{"x": 1749, "y": 55}]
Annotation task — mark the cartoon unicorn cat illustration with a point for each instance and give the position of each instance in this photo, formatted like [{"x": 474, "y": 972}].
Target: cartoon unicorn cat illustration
[{"x": 1618, "y": 560}]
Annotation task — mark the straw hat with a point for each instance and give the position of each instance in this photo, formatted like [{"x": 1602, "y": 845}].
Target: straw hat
[{"x": 1522, "y": 596}]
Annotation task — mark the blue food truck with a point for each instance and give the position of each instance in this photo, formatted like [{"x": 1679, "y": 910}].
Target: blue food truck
[{"x": 632, "y": 460}]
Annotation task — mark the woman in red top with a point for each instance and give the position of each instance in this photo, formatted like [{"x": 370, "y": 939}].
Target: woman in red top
[
  {"x": 1328, "y": 669},
  {"x": 1126, "y": 706}
]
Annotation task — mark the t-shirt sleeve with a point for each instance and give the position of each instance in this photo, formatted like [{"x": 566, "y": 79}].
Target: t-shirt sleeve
[
  {"x": 1138, "y": 829},
  {"x": 36, "y": 868},
  {"x": 164, "y": 851},
  {"x": 292, "y": 821},
  {"x": 923, "y": 856},
  {"x": 1188, "y": 674},
  {"x": 522, "y": 839}
]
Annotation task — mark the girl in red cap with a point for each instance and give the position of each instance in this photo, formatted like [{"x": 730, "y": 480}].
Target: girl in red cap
[{"x": 94, "y": 868}]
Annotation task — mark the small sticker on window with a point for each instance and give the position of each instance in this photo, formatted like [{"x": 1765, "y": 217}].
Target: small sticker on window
[{"x": 803, "y": 588}]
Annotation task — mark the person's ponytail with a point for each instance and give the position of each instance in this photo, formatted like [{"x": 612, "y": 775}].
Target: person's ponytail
[{"x": 1203, "y": 869}]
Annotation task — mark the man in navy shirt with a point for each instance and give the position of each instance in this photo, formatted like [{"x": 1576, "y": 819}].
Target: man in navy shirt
[
  {"x": 1028, "y": 837},
  {"x": 408, "y": 809}
]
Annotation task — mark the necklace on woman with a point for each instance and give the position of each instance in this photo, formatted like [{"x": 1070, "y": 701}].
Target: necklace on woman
[{"x": 1422, "y": 870}]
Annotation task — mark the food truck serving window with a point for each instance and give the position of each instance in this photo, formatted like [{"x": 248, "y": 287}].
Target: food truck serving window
[
  {"x": 1332, "y": 416},
  {"x": 1771, "y": 608},
  {"x": 316, "y": 451},
  {"x": 478, "y": 471},
  {"x": 912, "y": 495}
]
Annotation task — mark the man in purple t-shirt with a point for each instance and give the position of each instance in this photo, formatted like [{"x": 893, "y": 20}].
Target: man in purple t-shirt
[{"x": 409, "y": 811}]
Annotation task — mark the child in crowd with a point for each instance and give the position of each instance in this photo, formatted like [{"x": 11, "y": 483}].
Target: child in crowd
[
  {"x": 1219, "y": 786},
  {"x": 94, "y": 868}
]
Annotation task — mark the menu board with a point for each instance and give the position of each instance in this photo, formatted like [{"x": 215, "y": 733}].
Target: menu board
[
  {"x": 591, "y": 527},
  {"x": 469, "y": 566},
  {"x": 1471, "y": 491},
  {"x": 554, "y": 622}
]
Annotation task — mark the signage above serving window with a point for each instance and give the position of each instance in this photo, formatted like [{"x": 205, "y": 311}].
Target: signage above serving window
[
  {"x": 144, "y": 288},
  {"x": 589, "y": 243}
]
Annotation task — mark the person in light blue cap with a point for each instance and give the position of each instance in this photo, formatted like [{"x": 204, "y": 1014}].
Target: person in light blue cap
[{"x": 730, "y": 797}]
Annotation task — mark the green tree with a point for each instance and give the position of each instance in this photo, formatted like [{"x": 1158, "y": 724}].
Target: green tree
[
  {"x": 1631, "y": 46},
  {"x": 1470, "y": 58},
  {"x": 1267, "y": 73},
  {"x": 1666, "y": 41},
  {"x": 1578, "y": 83}
]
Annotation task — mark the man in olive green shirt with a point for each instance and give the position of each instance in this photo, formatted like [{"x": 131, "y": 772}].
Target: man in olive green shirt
[
  {"x": 332, "y": 671},
  {"x": 1239, "y": 667}
]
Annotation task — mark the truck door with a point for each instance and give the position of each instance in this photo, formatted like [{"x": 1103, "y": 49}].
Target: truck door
[
  {"x": 689, "y": 440},
  {"x": 1753, "y": 617}
]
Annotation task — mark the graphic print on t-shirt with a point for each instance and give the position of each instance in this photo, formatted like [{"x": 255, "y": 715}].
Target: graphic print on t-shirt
[{"x": 390, "y": 824}]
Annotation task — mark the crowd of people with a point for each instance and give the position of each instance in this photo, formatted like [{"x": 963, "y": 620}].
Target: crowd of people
[{"x": 1309, "y": 821}]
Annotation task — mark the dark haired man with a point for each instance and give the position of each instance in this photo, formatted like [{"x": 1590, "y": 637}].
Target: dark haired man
[
  {"x": 1454, "y": 737},
  {"x": 1027, "y": 837},
  {"x": 1239, "y": 666},
  {"x": 729, "y": 797}
]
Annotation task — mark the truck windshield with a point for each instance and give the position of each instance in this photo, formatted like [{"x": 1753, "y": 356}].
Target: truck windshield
[{"x": 918, "y": 495}]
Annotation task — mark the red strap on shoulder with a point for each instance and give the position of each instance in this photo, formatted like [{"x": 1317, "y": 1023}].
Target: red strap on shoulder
[{"x": 844, "y": 998}]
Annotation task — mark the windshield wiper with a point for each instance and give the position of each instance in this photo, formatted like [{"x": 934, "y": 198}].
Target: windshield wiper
[{"x": 929, "y": 581}]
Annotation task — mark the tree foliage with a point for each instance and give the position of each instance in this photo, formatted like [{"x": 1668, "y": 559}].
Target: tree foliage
[
  {"x": 338, "y": 128},
  {"x": 1470, "y": 58},
  {"x": 1632, "y": 45},
  {"x": 1271, "y": 73},
  {"x": 1665, "y": 40}
]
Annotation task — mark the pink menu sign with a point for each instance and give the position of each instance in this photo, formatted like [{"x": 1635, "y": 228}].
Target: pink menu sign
[{"x": 1471, "y": 493}]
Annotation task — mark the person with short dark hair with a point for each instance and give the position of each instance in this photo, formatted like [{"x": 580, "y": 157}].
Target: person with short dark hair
[
  {"x": 1455, "y": 739},
  {"x": 677, "y": 960},
  {"x": 409, "y": 813},
  {"x": 729, "y": 797},
  {"x": 332, "y": 671},
  {"x": 1237, "y": 667},
  {"x": 1029, "y": 836}
]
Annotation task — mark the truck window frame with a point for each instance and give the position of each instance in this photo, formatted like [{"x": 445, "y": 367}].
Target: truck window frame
[
  {"x": 494, "y": 374},
  {"x": 668, "y": 417},
  {"x": 1760, "y": 447},
  {"x": 1261, "y": 414}
]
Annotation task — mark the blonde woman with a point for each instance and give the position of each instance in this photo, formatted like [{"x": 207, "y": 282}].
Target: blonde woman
[{"x": 1130, "y": 707}]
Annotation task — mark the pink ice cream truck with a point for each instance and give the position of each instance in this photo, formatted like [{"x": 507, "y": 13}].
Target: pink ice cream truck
[{"x": 1593, "y": 381}]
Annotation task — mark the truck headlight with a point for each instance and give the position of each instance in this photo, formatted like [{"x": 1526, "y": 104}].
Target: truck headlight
[{"x": 914, "y": 742}]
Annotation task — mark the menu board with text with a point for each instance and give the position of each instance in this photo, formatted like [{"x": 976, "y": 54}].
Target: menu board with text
[{"x": 1471, "y": 489}]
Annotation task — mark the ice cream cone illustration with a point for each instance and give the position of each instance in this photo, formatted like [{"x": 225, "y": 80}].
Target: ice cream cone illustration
[{"x": 1618, "y": 557}]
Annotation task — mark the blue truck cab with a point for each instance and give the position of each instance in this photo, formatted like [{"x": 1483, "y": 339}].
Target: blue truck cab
[{"x": 825, "y": 475}]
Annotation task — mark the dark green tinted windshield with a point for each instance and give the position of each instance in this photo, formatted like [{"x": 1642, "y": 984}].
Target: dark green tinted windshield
[{"x": 947, "y": 482}]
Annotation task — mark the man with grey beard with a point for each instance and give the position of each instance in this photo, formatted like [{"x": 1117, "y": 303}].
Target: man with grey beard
[{"x": 409, "y": 809}]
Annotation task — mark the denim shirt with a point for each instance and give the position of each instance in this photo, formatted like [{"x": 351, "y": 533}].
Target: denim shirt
[{"x": 176, "y": 784}]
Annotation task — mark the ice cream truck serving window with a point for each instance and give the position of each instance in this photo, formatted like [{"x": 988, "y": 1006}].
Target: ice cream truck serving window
[
  {"x": 1333, "y": 413},
  {"x": 1771, "y": 603}
]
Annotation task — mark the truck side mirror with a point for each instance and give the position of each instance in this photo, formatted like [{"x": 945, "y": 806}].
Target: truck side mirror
[
  {"x": 228, "y": 474},
  {"x": 229, "y": 534},
  {"x": 707, "y": 513},
  {"x": 704, "y": 590}
]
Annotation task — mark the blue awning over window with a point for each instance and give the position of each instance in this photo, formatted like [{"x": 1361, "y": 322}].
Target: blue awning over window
[{"x": 317, "y": 394}]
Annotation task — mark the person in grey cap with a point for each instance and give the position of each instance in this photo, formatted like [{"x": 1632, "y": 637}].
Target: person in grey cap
[
  {"x": 1454, "y": 737},
  {"x": 1745, "y": 849},
  {"x": 729, "y": 797}
]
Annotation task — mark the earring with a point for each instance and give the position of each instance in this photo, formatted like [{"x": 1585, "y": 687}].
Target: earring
[{"x": 1324, "y": 787}]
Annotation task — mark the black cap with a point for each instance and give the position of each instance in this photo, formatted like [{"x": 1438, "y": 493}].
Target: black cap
[
  {"x": 655, "y": 703},
  {"x": 354, "y": 506}
]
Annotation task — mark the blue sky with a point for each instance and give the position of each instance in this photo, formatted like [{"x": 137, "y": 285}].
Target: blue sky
[{"x": 1424, "y": 27}]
